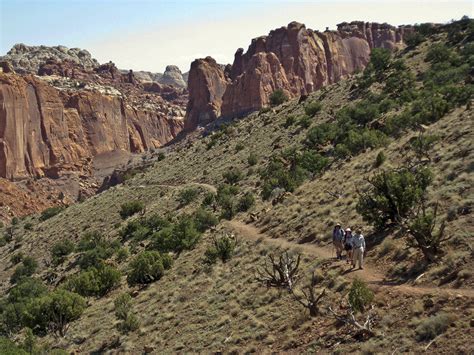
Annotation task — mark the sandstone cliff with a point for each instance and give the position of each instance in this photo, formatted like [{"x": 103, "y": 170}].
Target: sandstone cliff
[
  {"x": 293, "y": 58},
  {"x": 44, "y": 130}
]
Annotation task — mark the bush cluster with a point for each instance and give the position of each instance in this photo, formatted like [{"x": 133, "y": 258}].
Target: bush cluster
[
  {"x": 94, "y": 249},
  {"x": 222, "y": 248},
  {"x": 278, "y": 97},
  {"x": 123, "y": 304},
  {"x": 187, "y": 196},
  {"x": 27, "y": 268},
  {"x": 148, "y": 267},
  {"x": 128, "y": 209},
  {"x": 60, "y": 250},
  {"x": 94, "y": 281},
  {"x": 50, "y": 212}
]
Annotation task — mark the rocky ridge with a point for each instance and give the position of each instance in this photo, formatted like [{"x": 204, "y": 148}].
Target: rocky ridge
[{"x": 294, "y": 58}]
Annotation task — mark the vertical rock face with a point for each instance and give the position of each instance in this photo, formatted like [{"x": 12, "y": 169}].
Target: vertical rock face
[
  {"x": 293, "y": 58},
  {"x": 206, "y": 85},
  {"x": 44, "y": 130}
]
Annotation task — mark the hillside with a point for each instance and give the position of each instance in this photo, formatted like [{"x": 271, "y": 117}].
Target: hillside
[{"x": 276, "y": 180}]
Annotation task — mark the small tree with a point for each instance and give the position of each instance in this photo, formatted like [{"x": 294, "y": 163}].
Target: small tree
[
  {"x": 148, "y": 267},
  {"x": 313, "y": 108},
  {"x": 278, "y": 97},
  {"x": 128, "y": 209},
  {"x": 222, "y": 248},
  {"x": 232, "y": 176},
  {"x": 282, "y": 273},
  {"x": 60, "y": 250},
  {"x": 26, "y": 268},
  {"x": 54, "y": 311},
  {"x": 50, "y": 212},
  {"x": 309, "y": 299},
  {"x": 392, "y": 195},
  {"x": 360, "y": 296},
  {"x": 187, "y": 196},
  {"x": 246, "y": 202},
  {"x": 94, "y": 281},
  {"x": 123, "y": 304}
]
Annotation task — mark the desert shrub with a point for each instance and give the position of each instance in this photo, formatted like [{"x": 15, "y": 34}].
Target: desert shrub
[
  {"x": 2, "y": 224},
  {"x": 428, "y": 109},
  {"x": 204, "y": 219},
  {"x": 143, "y": 228},
  {"x": 26, "y": 289},
  {"x": 28, "y": 226},
  {"x": 341, "y": 151},
  {"x": 438, "y": 52},
  {"x": 313, "y": 161},
  {"x": 129, "y": 324},
  {"x": 414, "y": 39},
  {"x": 232, "y": 176},
  {"x": 252, "y": 159},
  {"x": 380, "y": 59},
  {"x": 94, "y": 281},
  {"x": 208, "y": 199},
  {"x": 222, "y": 248},
  {"x": 290, "y": 121},
  {"x": 226, "y": 200},
  {"x": 95, "y": 249},
  {"x": 183, "y": 235},
  {"x": 321, "y": 134},
  {"x": 25, "y": 269},
  {"x": 187, "y": 196},
  {"x": 122, "y": 254},
  {"x": 161, "y": 156},
  {"x": 313, "y": 108},
  {"x": 50, "y": 212},
  {"x": 392, "y": 195},
  {"x": 239, "y": 146},
  {"x": 17, "y": 258},
  {"x": 278, "y": 97},
  {"x": 54, "y": 311},
  {"x": 128, "y": 209},
  {"x": 380, "y": 159},
  {"x": 362, "y": 113},
  {"x": 8, "y": 347},
  {"x": 360, "y": 296},
  {"x": 122, "y": 305},
  {"x": 305, "y": 121},
  {"x": 60, "y": 250},
  {"x": 433, "y": 326},
  {"x": 246, "y": 202},
  {"x": 148, "y": 267},
  {"x": 15, "y": 221},
  {"x": 422, "y": 144}
]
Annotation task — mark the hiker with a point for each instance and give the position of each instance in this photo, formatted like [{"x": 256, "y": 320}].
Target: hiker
[
  {"x": 358, "y": 249},
  {"x": 348, "y": 238},
  {"x": 337, "y": 238}
]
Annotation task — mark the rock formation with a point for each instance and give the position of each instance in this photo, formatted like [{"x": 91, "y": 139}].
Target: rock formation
[
  {"x": 27, "y": 59},
  {"x": 293, "y": 58},
  {"x": 206, "y": 85},
  {"x": 44, "y": 131},
  {"x": 172, "y": 77}
]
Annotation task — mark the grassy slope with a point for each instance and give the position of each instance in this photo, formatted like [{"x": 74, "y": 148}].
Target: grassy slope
[{"x": 196, "y": 308}]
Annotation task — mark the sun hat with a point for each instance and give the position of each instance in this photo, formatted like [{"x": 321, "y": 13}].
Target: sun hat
[{"x": 348, "y": 230}]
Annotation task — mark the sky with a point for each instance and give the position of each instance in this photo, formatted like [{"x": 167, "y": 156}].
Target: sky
[{"x": 150, "y": 34}]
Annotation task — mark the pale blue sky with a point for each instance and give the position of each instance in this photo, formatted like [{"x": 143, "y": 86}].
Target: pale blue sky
[{"x": 148, "y": 35}]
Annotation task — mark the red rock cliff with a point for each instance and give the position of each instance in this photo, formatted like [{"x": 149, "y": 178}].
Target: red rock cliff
[
  {"x": 44, "y": 130},
  {"x": 293, "y": 58}
]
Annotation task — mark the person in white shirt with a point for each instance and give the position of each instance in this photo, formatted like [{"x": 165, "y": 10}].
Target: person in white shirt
[{"x": 358, "y": 249}]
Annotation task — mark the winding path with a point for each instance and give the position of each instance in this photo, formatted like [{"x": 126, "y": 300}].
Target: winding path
[{"x": 372, "y": 277}]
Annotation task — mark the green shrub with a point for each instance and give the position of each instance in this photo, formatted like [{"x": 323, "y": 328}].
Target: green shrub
[
  {"x": 305, "y": 121},
  {"x": 438, "y": 53},
  {"x": 252, "y": 159},
  {"x": 290, "y": 121},
  {"x": 27, "y": 268},
  {"x": 208, "y": 199},
  {"x": 313, "y": 108},
  {"x": 246, "y": 202},
  {"x": 313, "y": 161},
  {"x": 422, "y": 144},
  {"x": 94, "y": 281},
  {"x": 122, "y": 305},
  {"x": 341, "y": 151},
  {"x": 360, "y": 296},
  {"x": 8, "y": 347},
  {"x": 183, "y": 235},
  {"x": 128, "y": 209},
  {"x": 380, "y": 59},
  {"x": 204, "y": 219},
  {"x": 17, "y": 258},
  {"x": 380, "y": 159},
  {"x": 392, "y": 195},
  {"x": 95, "y": 250},
  {"x": 60, "y": 250},
  {"x": 239, "y": 146},
  {"x": 28, "y": 226},
  {"x": 129, "y": 324},
  {"x": 278, "y": 97},
  {"x": 161, "y": 156},
  {"x": 414, "y": 39},
  {"x": 50, "y": 212},
  {"x": 321, "y": 134},
  {"x": 222, "y": 248},
  {"x": 187, "y": 196},
  {"x": 15, "y": 221},
  {"x": 122, "y": 254},
  {"x": 232, "y": 176},
  {"x": 433, "y": 326},
  {"x": 148, "y": 267},
  {"x": 54, "y": 311},
  {"x": 26, "y": 289}
]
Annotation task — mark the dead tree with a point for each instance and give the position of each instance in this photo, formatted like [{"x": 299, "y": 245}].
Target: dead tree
[
  {"x": 364, "y": 329},
  {"x": 309, "y": 299},
  {"x": 282, "y": 273}
]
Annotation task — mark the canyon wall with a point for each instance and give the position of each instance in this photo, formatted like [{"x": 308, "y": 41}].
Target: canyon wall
[
  {"x": 45, "y": 130},
  {"x": 293, "y": 58}
]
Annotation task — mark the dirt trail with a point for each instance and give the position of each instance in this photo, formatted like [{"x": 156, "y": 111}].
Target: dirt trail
[
  {"x": 211, "y": 188},
  {"x": 372, "y": 277}
]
